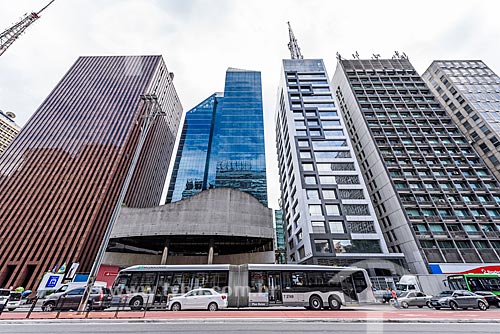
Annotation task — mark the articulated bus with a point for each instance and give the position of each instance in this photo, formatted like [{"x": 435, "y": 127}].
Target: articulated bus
[
  {"x": 475, "y": 282},
  {"x": 247, "y": 285}
]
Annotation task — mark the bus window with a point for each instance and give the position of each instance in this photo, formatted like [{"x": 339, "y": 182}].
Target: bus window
[
  {"x": 457, "y": 283},
  {"x": 333, "y": 281},
  {"x": 258, "y": 281},
  {"x": 298, "y": 279},
  {"x": 121, "y": 284},
  {"x": 360, "y": 283},
  {"x": 143, "y": 281},
  {"x": 475, "y": 284},
  {"x": 315, "y": 279}
]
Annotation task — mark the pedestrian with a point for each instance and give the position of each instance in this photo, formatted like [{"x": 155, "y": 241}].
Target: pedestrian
[{"x": 394, "y": 296}]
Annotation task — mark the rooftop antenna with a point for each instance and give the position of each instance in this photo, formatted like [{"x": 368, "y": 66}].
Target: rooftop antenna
[
  {"x": 11, "y": 34},
  {"x": 339, "y": 57},
  {"x": 355, "y": 55},
  {"x": 375, "y": 56},
  {"x": 293, "y": 46}
]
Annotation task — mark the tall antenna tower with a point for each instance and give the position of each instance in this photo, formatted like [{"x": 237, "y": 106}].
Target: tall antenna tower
[
  {"x": 11, "y": 34},
  {"x": 293, "y": 46}
]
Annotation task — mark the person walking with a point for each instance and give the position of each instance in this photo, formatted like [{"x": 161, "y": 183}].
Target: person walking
[{"x": 394, "y": 296}]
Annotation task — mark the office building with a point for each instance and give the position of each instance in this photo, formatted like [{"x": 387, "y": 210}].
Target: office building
[
  {"x": 470, "y": 93},
  {"x": 8, "y": 129},
  {"x": 60, "y": 178},
  {"x": 222, "y": 142},
  {"x": 437, "y": 201},
  {"x": 279, "y": 238},
  {"x": 328, "y": 214}
]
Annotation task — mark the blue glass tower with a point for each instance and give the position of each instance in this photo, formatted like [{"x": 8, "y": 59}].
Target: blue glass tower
[{"x": 222, "y": 142}]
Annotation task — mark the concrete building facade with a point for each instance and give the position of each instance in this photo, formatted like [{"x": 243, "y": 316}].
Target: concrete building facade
[
  {"x": 470, "y": 93},
  {"x": 327, "y": 211},
  {"x": 221, "y": 225},
  {"x": 436, "y": 200},
  {"x": 62, "y": 175}
]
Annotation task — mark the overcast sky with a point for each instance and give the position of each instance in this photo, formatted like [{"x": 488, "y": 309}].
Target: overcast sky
[{"x": 200, "y": 39}]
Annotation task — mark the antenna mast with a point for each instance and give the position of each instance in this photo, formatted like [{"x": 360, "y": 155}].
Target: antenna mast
[
  {"x": 11, "y": 34},
  {"x": 293, "y": 46}
]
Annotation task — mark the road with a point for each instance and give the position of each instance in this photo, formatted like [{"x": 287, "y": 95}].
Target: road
[{"x": 245, "y": 327}]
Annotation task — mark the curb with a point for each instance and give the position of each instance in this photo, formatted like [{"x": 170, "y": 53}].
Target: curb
[{"x": 247, "y": 320}]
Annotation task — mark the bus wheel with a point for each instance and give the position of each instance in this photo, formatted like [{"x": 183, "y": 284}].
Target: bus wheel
[
  {"x": 136, "y": 303},
  {"x": 315, "y": 303},
  {"x": 334, "y": 303}
]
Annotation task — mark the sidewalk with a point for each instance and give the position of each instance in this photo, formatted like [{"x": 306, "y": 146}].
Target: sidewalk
[{"x": 490, "y": 316}]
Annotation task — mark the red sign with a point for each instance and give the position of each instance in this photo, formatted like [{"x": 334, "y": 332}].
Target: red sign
[
  {"x": 109, "y": 273},
  {"x": 483, "y": 270}
]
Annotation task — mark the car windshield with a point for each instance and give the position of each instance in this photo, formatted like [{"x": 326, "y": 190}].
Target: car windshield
[
  {"x": 4, "y": 293},
  {"x": 445, "y": 293}
]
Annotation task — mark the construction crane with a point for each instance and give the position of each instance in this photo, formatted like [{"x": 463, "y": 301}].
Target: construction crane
[{"x": 11, "y": 34}]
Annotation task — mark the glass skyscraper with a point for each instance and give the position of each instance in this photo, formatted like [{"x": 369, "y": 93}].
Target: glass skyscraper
[{"x": 222, "y": 142}]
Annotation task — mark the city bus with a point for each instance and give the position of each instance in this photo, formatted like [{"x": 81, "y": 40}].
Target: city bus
[
  {"x": 475, "y": 282},
  {"x": 247, "y": 285}
]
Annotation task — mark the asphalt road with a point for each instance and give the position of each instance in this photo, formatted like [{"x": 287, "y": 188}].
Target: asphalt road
[{"x": 247, "y": 327}]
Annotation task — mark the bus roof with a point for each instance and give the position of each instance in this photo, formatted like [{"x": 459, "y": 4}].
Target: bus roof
[
  {"x": 226, "y": 267},
  {"x": 476, "y": 275}
]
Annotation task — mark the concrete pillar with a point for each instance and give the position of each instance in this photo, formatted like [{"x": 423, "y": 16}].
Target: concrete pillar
[
  {"x": 211, "y": 252},
  {"x": 164, "y": 255}
]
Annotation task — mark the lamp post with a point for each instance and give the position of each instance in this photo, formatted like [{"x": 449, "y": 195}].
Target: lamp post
[{"x": 153, "y": 111}]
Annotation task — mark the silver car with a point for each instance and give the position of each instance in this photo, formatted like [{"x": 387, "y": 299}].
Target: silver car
[
  {"x": 413, "y": 298},
  {"x": 459, "y": 299}
]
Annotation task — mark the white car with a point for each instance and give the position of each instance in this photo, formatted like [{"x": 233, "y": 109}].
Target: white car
[{"x": 198, "y": 299}]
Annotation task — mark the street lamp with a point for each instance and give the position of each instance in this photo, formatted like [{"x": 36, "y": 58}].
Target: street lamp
[{"x": 153, "y": 111}]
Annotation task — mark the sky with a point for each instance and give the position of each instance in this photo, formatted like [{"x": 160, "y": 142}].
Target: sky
[{"x": 200, "y": 39}]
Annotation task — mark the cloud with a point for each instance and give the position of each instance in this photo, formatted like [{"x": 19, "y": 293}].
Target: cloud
[{"x": 200, "y": 39}]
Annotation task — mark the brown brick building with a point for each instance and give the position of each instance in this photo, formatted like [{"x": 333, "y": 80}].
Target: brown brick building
[{"x": 61, "y": 177}]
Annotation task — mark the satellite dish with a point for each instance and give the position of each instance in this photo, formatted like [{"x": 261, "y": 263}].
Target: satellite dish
[{"x": 10, "y": 114}]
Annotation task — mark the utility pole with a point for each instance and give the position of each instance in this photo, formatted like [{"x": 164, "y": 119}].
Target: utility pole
[
  {"x": 293, "y": 46},
  {"x": 11, "y": 34},
  {"x": 153, "y": 111}
]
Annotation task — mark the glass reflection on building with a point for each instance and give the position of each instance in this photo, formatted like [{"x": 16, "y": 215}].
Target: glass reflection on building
[{"x": 222, "y": 142}]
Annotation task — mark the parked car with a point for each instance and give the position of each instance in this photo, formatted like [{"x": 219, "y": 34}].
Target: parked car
[
  {"x": 4, "y": 298},
  {"x": 459, "y": 299},
  {"x": 99, "y": 299},
  {"x": 201, "y": 299},
  {"x": 413, "y": 298},
  {"x": 491, "y": 298}
]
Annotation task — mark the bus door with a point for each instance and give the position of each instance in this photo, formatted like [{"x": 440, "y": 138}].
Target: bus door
[
  {"x": 161, "y": 292},
  {"x": 274, "y": 283},
  {"x": 348, "y": 287}
]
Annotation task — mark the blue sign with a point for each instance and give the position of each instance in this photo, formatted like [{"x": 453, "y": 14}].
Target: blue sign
[{"x": 52, "y": 282}]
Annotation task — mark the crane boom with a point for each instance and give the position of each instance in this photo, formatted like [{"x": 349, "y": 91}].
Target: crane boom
[{"x": 8, "y": 37}]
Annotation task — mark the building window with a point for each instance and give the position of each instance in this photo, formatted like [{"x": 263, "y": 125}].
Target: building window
[
  {"x": 308, "y": 167},
  {"x": 357, "y": 246},
  {"x": 318, "y": 227},
  {"x": 322, "y": 246},
  {"x": 310, "y": 179},
  {"x": 315, "y": 210},
  {"x": 357, "y": 209},
  {"x": 305, "y": 154},
  {"x": 361, "y": 226},
  {"x": 332, "y": 210},
  {"x": 336, "y": 227},
  {"x": 312, "y": 194},
  {"x": 329, "y": 194}
]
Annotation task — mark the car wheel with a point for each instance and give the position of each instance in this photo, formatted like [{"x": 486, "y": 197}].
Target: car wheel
[
  {"x": 49, "y": 307},
  {"x": 315, "y": 303},
  {"x": 437, "y": 307},
  {"x": 428, "y": 304},
  {"x": 404, "y": 305},
  {"x": 482, "y": 305},
  {"x": 453, "y": 305},
  {"x": 420, "y": 306},
  {"x": 212, "y": 307},
  {"x": 176, "y": 307},
  {"x": 334, "y": 303},
  {"x": 136, "y": 303}
]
